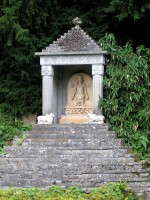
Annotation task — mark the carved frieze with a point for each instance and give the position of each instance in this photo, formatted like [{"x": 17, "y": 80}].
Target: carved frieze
[
  {"x": 71, "y": 59},
  {"x": 78, "y": 110}
]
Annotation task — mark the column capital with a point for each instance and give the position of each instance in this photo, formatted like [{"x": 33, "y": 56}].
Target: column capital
[
  {"x": 97, "y": 69},
  {"x": 47, "y": 70}
]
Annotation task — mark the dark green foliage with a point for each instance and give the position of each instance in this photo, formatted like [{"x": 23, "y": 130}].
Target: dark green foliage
[
  {"x": 126, "y": 93},
  {"x": 134, "y": 9},
  {"x": 111, "y": 191}
]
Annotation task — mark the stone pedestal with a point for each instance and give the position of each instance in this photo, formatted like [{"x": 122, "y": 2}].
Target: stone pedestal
[{"x": 73, "y": 119}]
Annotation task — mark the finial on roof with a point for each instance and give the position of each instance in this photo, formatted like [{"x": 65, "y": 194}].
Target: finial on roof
[{"x": 77, "y": 21}]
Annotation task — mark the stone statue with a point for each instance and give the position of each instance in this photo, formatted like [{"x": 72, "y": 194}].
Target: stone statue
[
  {"x": 80, "y": 93},
  {"x": 79, "y": 96},
  {"x": 77, "y": 21},
  {"x": 47, "y": 119},
  {"x": 93, "y": 118}
]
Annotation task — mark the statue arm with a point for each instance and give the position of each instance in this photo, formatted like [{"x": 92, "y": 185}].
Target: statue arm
[
  {"x": 86, "y": 92},
  {"x": 74, "y": 93}
]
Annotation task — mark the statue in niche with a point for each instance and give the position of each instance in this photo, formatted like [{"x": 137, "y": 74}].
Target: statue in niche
[{"x": 80, "y": 93}]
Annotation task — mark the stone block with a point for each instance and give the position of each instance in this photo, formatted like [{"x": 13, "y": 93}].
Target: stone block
[{"x": 73, "y": 119}]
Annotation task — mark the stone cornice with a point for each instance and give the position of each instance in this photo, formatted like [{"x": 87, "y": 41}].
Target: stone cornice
[{"x": 70, "y": 53}]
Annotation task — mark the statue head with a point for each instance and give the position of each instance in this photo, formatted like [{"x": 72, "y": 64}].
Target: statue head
[{"x": 80, "y": 79}]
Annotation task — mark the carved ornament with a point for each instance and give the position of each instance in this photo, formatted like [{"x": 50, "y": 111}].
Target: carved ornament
[
  {"x": 71, "y": 59},
  {"x": 79, "y": 94},
  {"x": 78, "y": 110},
  {"x": 98, "y": 69},
  {"x": 47, "y": 71}
]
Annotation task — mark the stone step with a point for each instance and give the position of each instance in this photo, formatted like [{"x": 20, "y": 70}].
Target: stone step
[
  {"x": 66, "y": 177},
  {"x": 62, "y": 135},
  {"x": 69, "y": 127},
  {"x": 70, "y": 179},
  {"x": 26, "y": 183},
  {"x": 18, "y": 162},
  {"x": 66, "y": 153},
  {"x": 124, "y": 161},
  {"x": 73, "y": 144},
  {"x": 75, "y": 168},
  {"x": 139, "y": 184},
  {"x": 139, "y": 190},
  {"x": 97, "y": 177}
]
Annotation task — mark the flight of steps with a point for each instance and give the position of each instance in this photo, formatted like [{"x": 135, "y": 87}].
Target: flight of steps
[{"x": 84, "y": 155}]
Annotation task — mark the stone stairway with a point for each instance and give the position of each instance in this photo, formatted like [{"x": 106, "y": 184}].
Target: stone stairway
[{"x": 84, "y": 155}]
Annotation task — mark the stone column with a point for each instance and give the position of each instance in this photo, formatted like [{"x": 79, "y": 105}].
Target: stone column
[
  {"x": 47, "y": 89},
  {"x": 97, "y": 72}
]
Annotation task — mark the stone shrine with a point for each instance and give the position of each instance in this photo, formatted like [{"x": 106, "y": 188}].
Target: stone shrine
[
  {"x": 72, "y": 71},
  {"x": 79, "y": 155}
]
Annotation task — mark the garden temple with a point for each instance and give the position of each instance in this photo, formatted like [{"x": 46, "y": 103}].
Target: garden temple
[
  {"x": 72, "y": 71},
  {"x": 73, "y": 154}
]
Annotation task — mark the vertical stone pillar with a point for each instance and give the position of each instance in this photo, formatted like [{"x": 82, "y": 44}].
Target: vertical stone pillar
[
  {"x": 97, "y": 72},
  {"x": 47, "y": 89}
]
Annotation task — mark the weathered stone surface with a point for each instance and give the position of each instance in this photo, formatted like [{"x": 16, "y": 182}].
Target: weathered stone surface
[
  {"x": 75, "y": 40},
  {"x": 70, "y": 127},
  {"x": 71, "y": 155},
  {"x": 146, "y": 196}
]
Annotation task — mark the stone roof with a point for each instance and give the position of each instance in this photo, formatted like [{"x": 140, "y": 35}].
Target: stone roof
[{"x": 74, "y": 41}]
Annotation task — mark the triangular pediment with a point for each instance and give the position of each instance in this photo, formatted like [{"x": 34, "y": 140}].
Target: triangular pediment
[{"x": 74, "y": 41}]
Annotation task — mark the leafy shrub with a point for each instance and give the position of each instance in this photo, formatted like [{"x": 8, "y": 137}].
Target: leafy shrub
[
  {"x": 111, "y": 191},
  {"x": 126, "y": 93},
  {"x": 9, "y": 128}
]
